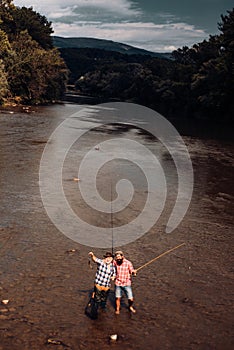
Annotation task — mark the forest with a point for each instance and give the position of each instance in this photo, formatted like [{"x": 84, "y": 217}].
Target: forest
[{"x": 196, "y": 82}]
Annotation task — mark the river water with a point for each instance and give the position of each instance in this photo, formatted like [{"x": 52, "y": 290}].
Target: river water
[{"x": 183, "y": 300}]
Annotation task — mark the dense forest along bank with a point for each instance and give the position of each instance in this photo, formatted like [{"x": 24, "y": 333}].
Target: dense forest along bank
[{"x": 183, "y": 300}]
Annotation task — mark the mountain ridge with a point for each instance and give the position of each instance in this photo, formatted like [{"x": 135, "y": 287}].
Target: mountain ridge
[{"x": 108, "y": 45}]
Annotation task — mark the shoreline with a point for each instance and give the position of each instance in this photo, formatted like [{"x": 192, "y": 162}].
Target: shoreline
[{"x": 186, "y": 127}]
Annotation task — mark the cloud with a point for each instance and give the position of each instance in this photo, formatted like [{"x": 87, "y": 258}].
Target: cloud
[
  {"x": 120, "y": 20},
  {"x": 59, "y": 7},
  {"x": 150, "y": 36}
]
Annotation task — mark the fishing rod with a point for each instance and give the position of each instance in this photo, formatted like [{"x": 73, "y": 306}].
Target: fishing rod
[
  {"x": 159, "y": 256},
  {"x": 112, "y": 231}
]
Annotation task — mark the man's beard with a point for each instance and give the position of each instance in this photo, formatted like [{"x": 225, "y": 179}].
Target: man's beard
[{"x": 119, "y": 261}]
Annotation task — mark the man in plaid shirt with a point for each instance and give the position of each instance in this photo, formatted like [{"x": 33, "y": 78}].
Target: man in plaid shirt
[
  {"x": 105, "y": 273},
  {"x": 124, "y": 271}
]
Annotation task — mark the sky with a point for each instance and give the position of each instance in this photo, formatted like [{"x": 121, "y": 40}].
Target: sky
[{"x": 154, "y": 25}]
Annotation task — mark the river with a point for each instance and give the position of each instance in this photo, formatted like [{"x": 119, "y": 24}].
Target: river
[{"x": 183, "y": 300}]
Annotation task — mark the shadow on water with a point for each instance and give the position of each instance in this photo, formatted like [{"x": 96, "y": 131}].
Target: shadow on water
[
  {"x": 119, "y": 129},
  {"x": 204, "y": 129}
]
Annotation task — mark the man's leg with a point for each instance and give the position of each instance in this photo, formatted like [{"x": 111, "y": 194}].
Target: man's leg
[
  {"x": 130, "y": 306},
  {"x": 128, "y": 290},
  {"x": 117, "y": 310},
  {"x": 104, "y": 296},
  {"x": 118, "y": 294}
]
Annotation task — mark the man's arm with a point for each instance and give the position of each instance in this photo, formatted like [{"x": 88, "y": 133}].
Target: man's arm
[
  {"x": 94, "y": 258},
  {"x": 113, "y": 276},
  {"x": 132, "y": 270}
]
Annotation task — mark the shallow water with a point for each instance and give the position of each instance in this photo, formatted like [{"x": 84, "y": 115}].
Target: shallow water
[{"x": 183, "y": 300}]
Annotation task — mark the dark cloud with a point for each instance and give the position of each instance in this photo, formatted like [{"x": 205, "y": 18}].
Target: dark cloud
[
  {"x": 161, "y": 25},
  {"x": 203, "y": 14}
]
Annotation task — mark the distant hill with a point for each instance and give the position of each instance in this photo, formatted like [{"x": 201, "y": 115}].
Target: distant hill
[{"x": 102, "y": 44}]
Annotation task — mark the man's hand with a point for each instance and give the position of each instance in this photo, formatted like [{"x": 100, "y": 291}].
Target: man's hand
[
  {"x": 134, "y": 272},
  {"x": 91, "y": 254}
]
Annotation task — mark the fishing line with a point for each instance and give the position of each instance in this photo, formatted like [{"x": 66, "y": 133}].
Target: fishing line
[{"x": 112, "y": 231}]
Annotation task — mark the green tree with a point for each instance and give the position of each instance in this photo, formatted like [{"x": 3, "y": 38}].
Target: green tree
[
  {"x": 183, "y": 55},
  {"x": 6, "y": 19},
  {"x": 35, "y": 74},
  {"x": 227, "y": 32},
  {"x": 37, "y": 26},
  {"x": 5, "y": 45},
  {"x": 213, "y": 84},
  {"x": 4, "y": 50},
  {"x": 5, "y": 7},
  {"x": 3, "y": 83},
  {"x": 48, "y": 76},
  {"x": 17, "y": 19},
  {"x": 209, "y": 69},
  {"x": 30, "y": 67}
]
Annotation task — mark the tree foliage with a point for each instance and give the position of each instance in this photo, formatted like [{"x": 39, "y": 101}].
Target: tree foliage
[
  {"x": 4, "y": 49},
  {"x": 31, "y": 68},
  {"x": 37, "y": 26},
  {"x": 212, "y": 85},
  {"x": 3, "y": 83}
]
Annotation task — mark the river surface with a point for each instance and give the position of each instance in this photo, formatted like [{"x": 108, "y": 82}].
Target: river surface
[{"x": 183, "y": 300}]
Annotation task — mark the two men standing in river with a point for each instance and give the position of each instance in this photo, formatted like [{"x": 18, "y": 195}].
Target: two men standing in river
[{"x": 108, "y": 269}]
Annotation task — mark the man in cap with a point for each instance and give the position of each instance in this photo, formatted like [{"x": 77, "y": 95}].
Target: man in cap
[
  {"x": 104, "y": 274},
  {"x": 124, "y": 271}
]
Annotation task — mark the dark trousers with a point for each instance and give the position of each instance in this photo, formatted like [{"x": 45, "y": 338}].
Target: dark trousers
[
  {"x": 98, "y": 299},
  {"x": 101, "y": 296}
]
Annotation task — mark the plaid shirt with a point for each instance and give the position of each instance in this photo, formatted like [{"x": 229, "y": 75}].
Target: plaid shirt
[
  {"x": 123, "y": 273},
  {"x": 104, "y": 273}
]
